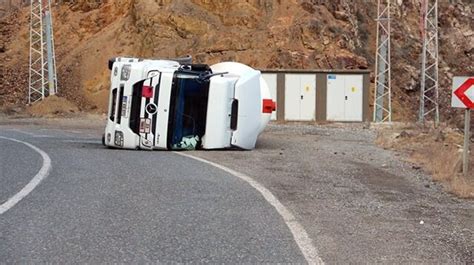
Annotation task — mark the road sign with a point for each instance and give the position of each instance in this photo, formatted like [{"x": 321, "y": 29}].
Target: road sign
[
  {"x": 463, "y": 92},
  {"x": 463, "y": 97}
]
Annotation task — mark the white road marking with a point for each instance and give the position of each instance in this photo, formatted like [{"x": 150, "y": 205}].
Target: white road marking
[
  {"x": 35, "y": 181},
  {"x": 299, "y": 233}
]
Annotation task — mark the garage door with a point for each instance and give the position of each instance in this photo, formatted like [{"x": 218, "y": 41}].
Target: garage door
[
  {"x": 300, "y": 97},
  {"x": 344, "y": 97}
]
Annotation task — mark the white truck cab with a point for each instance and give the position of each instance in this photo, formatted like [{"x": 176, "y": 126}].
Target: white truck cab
[{"x": 165, "y": 104}]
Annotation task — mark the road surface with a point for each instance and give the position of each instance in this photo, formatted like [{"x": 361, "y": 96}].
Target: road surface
[{"x": 101, "y": 205}]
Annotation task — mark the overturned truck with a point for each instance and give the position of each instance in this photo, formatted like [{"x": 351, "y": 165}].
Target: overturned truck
[{"x": 176, "y": 105}]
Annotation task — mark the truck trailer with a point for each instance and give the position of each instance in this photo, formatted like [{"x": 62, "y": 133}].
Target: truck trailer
[{"x": 177, "y": 105}]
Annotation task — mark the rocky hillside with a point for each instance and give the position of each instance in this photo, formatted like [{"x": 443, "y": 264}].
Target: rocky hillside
[{"x": 262, "y": 33}]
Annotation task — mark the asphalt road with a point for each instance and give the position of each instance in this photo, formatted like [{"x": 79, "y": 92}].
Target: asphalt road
[{"x": 101, "y": 205}]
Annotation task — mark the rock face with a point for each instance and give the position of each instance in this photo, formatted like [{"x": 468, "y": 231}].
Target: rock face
[{"x": 262, "y": 33}]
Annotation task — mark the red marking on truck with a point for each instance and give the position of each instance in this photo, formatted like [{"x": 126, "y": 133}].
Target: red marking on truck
[
  {"x": 268, "y": 106},
  {"x": 147, "y": 91}
]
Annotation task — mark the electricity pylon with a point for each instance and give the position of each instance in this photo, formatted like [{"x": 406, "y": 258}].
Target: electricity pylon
[
  {"x": 42, "y": 69},
  {"x": 383, "y": 69},
  {"x": 429, "y": 91}
]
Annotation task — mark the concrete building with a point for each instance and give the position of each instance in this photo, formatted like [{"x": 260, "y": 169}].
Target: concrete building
[{"x": 320, "y": 95}]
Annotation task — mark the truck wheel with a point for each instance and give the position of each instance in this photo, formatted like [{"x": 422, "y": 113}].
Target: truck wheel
[{"x": 103, "y": 139}]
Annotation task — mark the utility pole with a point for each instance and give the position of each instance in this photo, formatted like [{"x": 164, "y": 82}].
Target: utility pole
[
  {"x": 383, "y": 97},
  {"x": 52, "y": 78},
  {"x": 429, "y": 91},
  {"x": 42, "y": 64}
]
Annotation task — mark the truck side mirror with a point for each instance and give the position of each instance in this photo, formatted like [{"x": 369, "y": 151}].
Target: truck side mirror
[{"x": 111, "y": 63}]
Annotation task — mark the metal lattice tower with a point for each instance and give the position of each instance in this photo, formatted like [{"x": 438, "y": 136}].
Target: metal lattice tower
[
  {"x": 42, "y": 70},
  {"x": 383, "y": 98},
  {"x": 429, "y": 105}
]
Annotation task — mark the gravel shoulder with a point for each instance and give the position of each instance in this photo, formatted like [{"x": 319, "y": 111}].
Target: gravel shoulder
[{"x": 358, "y": 202}]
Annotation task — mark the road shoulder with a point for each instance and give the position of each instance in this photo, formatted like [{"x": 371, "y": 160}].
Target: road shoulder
[{"x": 358, "y": 202}]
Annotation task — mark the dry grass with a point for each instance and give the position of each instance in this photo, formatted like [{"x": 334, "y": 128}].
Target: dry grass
[
  {"x": 462, "y": 186},
  {"x": 437, "y": 151}
]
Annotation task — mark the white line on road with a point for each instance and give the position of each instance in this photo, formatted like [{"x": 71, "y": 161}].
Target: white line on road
[
  {"x": 299, "y": 233},
  {"x": 35, "y": 181}
]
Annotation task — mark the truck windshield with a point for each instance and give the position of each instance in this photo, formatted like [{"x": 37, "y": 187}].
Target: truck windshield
[{"x": 188, "y": 111}]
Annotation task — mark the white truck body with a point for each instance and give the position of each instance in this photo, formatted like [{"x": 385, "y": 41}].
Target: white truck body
[{"x": 162, "y": 104}]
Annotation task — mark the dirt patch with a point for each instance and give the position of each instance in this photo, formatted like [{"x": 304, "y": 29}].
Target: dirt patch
[
  {"x": 52, "y": 106},
  {"x": 438, "y": 151}
]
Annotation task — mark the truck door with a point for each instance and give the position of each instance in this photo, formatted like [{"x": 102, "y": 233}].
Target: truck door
[{"x": 246, "y": 110}]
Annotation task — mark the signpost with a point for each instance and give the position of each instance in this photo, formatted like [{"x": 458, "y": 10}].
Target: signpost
[{"x": 463, "y": 97}]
